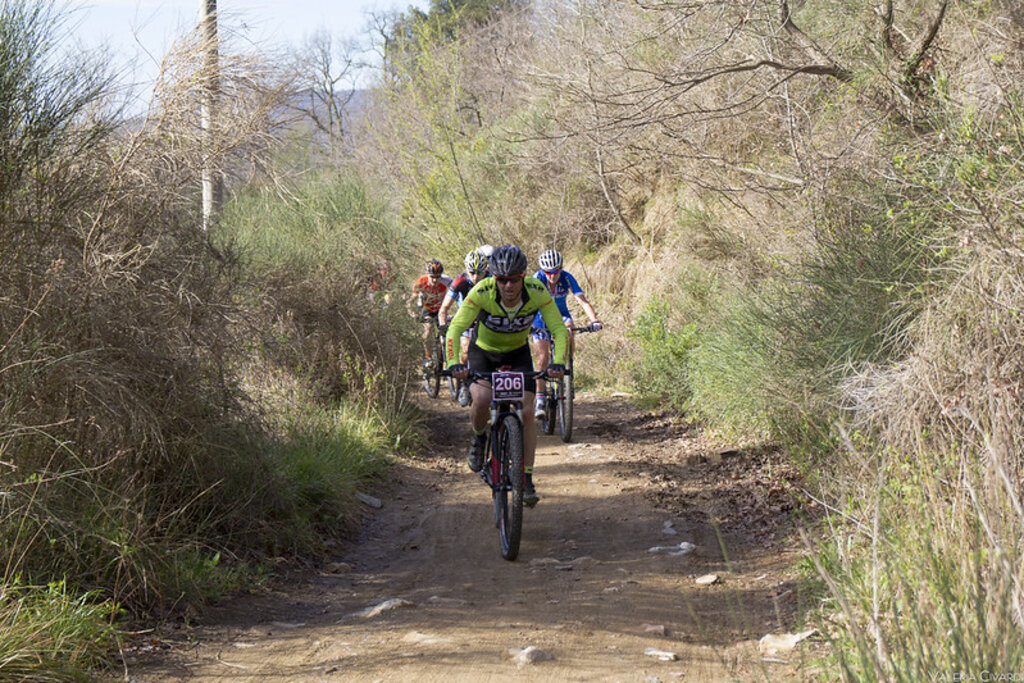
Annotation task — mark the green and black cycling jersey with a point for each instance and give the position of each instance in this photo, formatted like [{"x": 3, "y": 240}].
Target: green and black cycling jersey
[{"x": 505, "y": 329}]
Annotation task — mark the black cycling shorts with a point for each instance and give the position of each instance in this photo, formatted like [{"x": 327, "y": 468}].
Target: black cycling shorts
[{"x": 519, "y": 360}]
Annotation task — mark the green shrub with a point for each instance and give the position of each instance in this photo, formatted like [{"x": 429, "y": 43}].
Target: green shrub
[
  {"x": 665, "y": 347},
  {"x": 310, "y": 259},
  {"x": 329, "y": 220},
  {"x": 115, "y": 395},
  {"x": 733, "y": 374},
  {"x": 326, "y": 456},
  {"x": 47, "y": 633}
]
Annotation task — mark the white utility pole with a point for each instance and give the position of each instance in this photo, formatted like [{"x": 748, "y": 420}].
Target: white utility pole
[{"x": 213, "y": 183}]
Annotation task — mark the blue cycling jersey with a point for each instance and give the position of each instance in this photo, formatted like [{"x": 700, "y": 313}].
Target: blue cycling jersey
[{"x": 559, "y": 292}]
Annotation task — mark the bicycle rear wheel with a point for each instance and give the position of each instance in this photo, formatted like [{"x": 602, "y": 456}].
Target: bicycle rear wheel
[
  {"x": 432, "y": 372},
  {"x": 565, "y": 404},
  {"x": 508, "y": 495}
]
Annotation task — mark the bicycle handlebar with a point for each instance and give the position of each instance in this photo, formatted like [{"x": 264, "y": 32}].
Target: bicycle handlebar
[{"x": 536, "y": 374}]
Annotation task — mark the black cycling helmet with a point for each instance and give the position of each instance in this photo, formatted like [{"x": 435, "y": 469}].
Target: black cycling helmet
[
  {"x": 434, "y": 267},
  {"x": 508, "y": 260}
]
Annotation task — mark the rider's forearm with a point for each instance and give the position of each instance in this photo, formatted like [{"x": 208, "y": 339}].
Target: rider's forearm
[
  {"x": 587, "y": 308},
  {"x": 442, "y": 313},
  {"x": 461, "y": 322},
  {"x": 553, "y": 320}
]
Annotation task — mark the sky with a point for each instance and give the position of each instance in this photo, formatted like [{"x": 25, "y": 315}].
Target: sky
[{"x": 139, "y": 32}]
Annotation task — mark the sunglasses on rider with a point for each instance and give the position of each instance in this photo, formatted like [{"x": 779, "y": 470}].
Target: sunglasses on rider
[
  {"x": 556, "y": 271},
  {"x": 502, "y": 280}
]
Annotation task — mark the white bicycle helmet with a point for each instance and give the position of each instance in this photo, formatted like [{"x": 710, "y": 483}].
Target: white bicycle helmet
[
  {"x": 485, "y": 250},
  {"x": 475, "y": 262},
  {"x": 550, "y": 260}
]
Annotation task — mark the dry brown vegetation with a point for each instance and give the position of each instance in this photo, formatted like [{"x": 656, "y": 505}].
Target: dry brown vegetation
[
  {"x": 806, "y": 216},
  {"x": 145, "y": 464}
]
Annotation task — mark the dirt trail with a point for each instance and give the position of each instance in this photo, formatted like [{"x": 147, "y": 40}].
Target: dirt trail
[{"x": 586, "y": 588}]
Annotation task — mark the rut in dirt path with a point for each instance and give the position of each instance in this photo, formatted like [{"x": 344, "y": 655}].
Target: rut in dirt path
[{"x": 426, "y": 595}]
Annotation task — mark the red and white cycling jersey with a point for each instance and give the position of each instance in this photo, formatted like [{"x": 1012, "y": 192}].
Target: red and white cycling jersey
[{"x": 431, "y": 295}]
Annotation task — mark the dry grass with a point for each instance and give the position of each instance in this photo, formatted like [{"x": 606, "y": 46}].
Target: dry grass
[{"x": 131, "y": 458}]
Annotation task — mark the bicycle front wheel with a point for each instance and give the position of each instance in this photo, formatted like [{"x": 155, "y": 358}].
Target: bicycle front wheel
[
  {"x": 565, "y": 405},
  {"x": 508, "y": 495},
  {"x": 550, "y": 407},
  {"x": 432, "y": 378}
]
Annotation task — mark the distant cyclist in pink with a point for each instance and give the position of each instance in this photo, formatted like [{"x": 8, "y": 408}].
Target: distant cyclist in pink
[{"x": 560, "y": 283}]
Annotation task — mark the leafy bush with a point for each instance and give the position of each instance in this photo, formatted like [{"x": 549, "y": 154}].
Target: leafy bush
[
  {"x": 932, "y": 583},
  {"x": 310, "y": 259},
  {"x": 48, "y": 633},
  {"x": 326, "y": 456},
  {"x": 133, "y": 458},
  {"x": 773, "y": 362},
  {"x": 734, "y": 377},
  {"x": 665, "y": 348}
]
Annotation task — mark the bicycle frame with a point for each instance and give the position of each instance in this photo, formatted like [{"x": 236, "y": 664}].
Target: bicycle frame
[
  {"x": 432, "y": 375},
  {"x": 496, "y": 472},
  {"x": 559, "y": 396},
  {"x": 504, "y": 466}
]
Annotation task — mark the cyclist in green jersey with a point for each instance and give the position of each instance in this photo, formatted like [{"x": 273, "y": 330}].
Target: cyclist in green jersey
[{"x": 505, "y": 305}]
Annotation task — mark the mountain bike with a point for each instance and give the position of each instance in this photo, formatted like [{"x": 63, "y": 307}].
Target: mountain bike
[
  {"x": 503, "y": 468},
  {"x": 432, "y": 369},
  {"x": 558, "y": 399}
]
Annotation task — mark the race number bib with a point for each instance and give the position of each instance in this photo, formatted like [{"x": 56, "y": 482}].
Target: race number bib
[{"x": 508, "y": 386}]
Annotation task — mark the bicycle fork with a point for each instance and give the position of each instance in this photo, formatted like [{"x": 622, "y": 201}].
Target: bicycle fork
[{"x": 493, "y": 473}]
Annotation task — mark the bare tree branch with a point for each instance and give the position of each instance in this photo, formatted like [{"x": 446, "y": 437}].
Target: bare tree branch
[
  {"x": 829, "y": 69},
  {"x": 919, "y": 50},
  {"x": 324, "y": 75},
  {"x": 804, "y": 42},
  {"x": 887, "y": 15},
  {"x": 602, "y": 177}
]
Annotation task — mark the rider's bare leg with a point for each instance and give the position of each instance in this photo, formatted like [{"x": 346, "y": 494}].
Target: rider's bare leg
[
  {"x": 480, "y": 410},
  {"x": 427, "y": 328},
  {"x": 543, "y": 350}
]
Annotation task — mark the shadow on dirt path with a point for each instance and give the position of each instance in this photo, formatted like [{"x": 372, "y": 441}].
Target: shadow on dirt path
[{"x": 601, "y": 584}]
